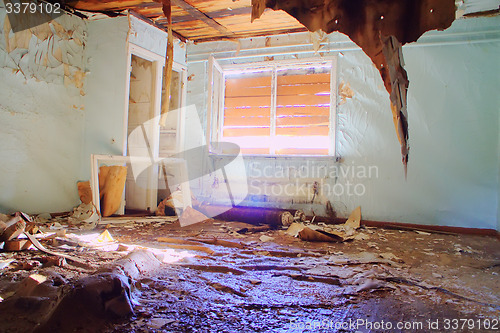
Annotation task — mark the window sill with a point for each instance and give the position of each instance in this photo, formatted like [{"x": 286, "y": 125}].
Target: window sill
[{"x": 280, "y": 157}]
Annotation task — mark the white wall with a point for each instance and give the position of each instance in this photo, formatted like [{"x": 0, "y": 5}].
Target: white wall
[
  {"x": 106, "y": 99},
  {"x": 63, "y": 96},
  {"x": 155, "y": 40},
  {"x": 453, "y": 106},
  {"x": 42, "y": 84}
]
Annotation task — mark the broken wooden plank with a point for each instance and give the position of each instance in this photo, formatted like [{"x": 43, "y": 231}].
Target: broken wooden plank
[
  {"x": 192, "y": 248},
  {"x": 42, "y": 248},
  {"x": 17, "y": 245},
  {"x": 14, "y": 228},
  {"x": 219, "y": 242},
  {"x": 199, "y": 15},
  {"x": 169, "y": 61}
]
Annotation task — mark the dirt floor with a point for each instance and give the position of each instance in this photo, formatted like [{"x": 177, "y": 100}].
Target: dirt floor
[{"x": 210, "y": 278}]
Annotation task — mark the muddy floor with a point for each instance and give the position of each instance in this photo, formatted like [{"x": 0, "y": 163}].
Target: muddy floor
[{"x": 217, "y": 278}]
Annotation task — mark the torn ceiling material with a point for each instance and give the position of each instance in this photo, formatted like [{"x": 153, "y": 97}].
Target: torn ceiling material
[{"x": 380, "y": 28}]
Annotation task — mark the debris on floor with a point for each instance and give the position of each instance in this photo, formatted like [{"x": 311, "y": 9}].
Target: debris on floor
[
  {"x": 322, "y": 232},
  {"x": 85, "y": 216},
  {"x": 191, "y": 216},
  {"x": 171, "y": 205},
  {"x": 253, "y": 215},
  {"x": 150, "y": 273}
]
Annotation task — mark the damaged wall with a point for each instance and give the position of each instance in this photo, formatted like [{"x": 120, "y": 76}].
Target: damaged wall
[
  {"x": 106, "y": 101},
  {"x": 453, "y": 111},
  {"x": 155, "y": 40},
  {"x": 63, "y": 97},
  {"x": 42, "y": 89}
]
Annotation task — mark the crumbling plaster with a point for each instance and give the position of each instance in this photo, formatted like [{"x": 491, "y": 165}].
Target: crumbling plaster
[
  {"x": 42, "y": 87},
  {"x": 453, "y": 111},
  {"x": 63, "y": 95}
]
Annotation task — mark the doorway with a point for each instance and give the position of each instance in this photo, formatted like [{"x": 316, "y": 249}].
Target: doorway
[{"x": 142, "y": 135}]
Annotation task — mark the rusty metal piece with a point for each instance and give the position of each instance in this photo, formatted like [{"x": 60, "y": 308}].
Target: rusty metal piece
[
  {"x": 299, "y": 216},
  {"x": 286, "y": 219},
  {"x": 252, "y": 215}
]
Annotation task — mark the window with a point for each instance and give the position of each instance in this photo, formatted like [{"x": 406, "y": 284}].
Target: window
[{"x": 278, "y": 108}]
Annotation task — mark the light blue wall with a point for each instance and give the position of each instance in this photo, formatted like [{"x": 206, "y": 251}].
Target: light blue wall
[
  {"x": 155, "y": 40},
  {"x": 41, "y": 114},
  {"x": 453, "y": 107},
  {"x": 106, "y": 93},
  {"x": 106, "y": 101},
  {"x": 55, "y": 112}
]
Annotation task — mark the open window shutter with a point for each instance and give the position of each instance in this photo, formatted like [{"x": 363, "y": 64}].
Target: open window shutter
[
  {"x": 215, "y": 104},
  {"x": 247, "y": 110},
  {"x": 303, "y": 111}
]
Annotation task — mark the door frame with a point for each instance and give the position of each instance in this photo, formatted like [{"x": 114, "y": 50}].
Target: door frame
[{"x": 158, "y": 63}]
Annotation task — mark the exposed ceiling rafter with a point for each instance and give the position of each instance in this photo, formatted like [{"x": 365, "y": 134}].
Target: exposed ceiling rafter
[{"x": 199, "y": 15}]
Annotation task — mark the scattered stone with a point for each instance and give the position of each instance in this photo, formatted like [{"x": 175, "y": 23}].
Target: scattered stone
[{"x": 266, "y": 238}]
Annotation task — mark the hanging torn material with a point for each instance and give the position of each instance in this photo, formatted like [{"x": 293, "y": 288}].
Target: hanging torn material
[
  {"x": 380, "y": 28},
  {"x": 393, "y": 54},
  {"x": 169, "y": 61}
]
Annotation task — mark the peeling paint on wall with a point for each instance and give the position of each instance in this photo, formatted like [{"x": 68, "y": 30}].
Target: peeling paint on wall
[
  {"x": 345, "y": 92},
  {"x": 52, "y": 52},
  {"x": 42, "y": 112},
  {"x": 452, "y": 102},
  {"x": 155, "y": 40}
]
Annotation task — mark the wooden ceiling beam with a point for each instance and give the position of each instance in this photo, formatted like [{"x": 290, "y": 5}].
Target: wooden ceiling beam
[
  {"x": 199, "y": 15},
  {"x": 160, "y": 26},
  {"x": 249, "y": 35}
]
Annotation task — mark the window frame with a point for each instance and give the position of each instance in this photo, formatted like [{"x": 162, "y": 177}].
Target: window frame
[{"x": 216, "y": 98}]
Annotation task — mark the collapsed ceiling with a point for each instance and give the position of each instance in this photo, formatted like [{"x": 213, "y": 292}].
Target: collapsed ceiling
[
  {"x": 201, "y": 20},
  {"x": 379, "y": 27}
]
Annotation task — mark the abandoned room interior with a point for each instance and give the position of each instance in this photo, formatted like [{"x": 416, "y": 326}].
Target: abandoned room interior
[{"x": 249, "y": 166}]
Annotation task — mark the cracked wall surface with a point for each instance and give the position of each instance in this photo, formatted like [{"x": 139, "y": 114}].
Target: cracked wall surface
[
  {"x": 452, "y": 179},
  {"x": 42, "y": 88},
  {"x": 380, "y": 28}
]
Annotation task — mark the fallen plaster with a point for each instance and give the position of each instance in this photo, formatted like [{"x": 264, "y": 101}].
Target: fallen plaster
[
  {"x": 380, "y": 28},
  {"x": 208, "y": 277}
]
